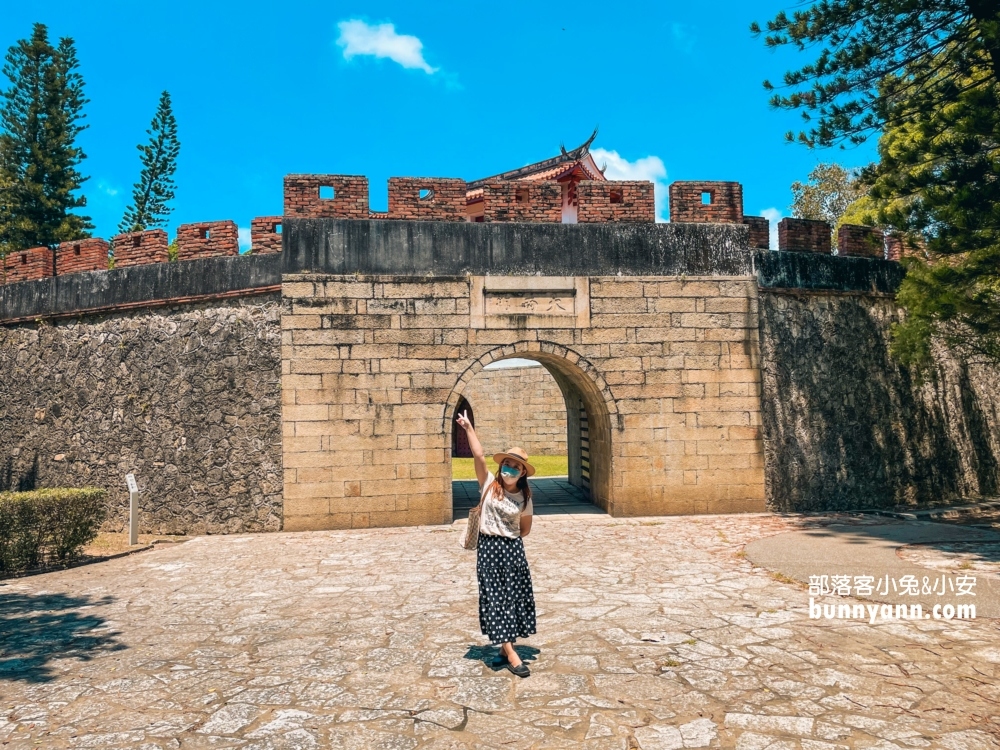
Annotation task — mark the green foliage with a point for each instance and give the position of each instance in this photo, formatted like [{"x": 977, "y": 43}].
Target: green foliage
[
  {"x": 927, "y": 74},
  {"x": 40, "y": 117},
  {"x": 854, "y": 86},
  {"x": 827, "y": 195},
  {"x": 155, "y": 188},
  {"x": 173, "y": 252},
  {"x": 48, "y": 526}
]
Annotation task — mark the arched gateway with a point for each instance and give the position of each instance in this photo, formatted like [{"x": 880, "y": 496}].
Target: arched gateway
[{"x": 650, "y": 331}]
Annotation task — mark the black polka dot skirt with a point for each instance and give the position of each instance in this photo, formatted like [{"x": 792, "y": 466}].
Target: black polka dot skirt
[{"x": 506, "y": 599}]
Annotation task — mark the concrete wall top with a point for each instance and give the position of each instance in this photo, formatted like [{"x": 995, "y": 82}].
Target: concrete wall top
[
  {"x": 783, "y": 270},
  {"x": 136, "y": 286},
  {"x": 456, "y": 248}
]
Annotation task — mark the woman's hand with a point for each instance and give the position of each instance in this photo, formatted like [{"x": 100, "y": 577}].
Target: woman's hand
[{"x": 463, "y": 421}]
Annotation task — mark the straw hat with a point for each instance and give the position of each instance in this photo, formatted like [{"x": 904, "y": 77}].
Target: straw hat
[{"x": 518, "y": 454}]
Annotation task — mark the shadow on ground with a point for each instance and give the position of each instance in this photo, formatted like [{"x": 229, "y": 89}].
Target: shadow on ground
[
  {"x": 487, "y": 655},
  {"x": 37, "y": 630}
]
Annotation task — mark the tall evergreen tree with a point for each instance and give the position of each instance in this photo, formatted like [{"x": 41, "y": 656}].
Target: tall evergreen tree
[
  {"x": 155, "y": 187},
  {"x": 41, "y": 116}
]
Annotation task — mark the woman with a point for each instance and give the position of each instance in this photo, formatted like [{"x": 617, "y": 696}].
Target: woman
[{"x": 506, "y": 599}]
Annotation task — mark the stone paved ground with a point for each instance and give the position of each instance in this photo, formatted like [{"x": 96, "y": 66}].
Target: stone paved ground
[{"x": 653, "y": 634}]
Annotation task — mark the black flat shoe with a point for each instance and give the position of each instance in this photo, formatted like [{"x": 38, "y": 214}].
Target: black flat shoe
[{"x": 521, "y": 670}]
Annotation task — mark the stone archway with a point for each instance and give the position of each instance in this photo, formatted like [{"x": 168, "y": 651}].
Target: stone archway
[{"x": 591, "y": 412}]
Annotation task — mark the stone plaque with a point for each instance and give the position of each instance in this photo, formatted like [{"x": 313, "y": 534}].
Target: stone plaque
[{"x": 530, "y": 302}]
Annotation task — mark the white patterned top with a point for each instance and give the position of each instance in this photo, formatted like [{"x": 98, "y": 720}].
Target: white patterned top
[{"x": 502, "y": 516}]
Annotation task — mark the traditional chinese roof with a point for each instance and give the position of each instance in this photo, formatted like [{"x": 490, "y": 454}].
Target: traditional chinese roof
[{"x": 576, "y": 164}]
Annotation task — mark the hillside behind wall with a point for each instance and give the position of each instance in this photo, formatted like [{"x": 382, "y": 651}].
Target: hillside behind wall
[
  {"x": 185, "y": 394},
  {"x": 844, "y": 425}
]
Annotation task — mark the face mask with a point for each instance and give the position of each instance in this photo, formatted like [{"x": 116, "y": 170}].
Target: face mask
[{"x": 510, "y": 472}]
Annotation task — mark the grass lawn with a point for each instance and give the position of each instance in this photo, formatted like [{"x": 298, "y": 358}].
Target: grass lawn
[{"x": 545, "y": 466}]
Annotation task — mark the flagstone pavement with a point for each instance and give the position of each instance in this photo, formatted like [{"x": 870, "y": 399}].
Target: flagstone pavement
[{"x": 652, "y": 634}]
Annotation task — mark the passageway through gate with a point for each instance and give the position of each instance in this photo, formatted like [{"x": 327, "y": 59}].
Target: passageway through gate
[{"x": 584, "y": 420}]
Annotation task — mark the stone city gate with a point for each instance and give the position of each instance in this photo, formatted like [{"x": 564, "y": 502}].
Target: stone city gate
[{"x": 651, "y": 329}]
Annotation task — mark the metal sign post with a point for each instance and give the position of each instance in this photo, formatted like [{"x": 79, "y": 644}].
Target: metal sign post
[{"x": 133, "y": 509}]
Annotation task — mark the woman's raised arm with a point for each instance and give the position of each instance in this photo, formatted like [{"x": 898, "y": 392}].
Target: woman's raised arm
[{"x": 478, "y": 459}]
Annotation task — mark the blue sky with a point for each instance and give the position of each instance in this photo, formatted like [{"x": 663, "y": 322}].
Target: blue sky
[{"x": 424, "y": 89}]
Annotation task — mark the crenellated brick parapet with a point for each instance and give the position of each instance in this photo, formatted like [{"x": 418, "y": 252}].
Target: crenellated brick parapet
[
  {"x": 615, "y": 201},
  {"x": 207, "y": 239},
  {"x": 326, "y": 196},
  {"x": 81, "y": 256},
  {"x": 28, "y": 265},
  {"x": 760, "y": 232},
  {"x": 265, "y": 234},
  {"x": 858, "y": 241},
  {"x": 706, "y": 202},
  {"x": 139, "y": 248},
  {"x": 523, "y": 201},
  {"x": 427, "y": 198},
  {"x": 804, "y": 236}
]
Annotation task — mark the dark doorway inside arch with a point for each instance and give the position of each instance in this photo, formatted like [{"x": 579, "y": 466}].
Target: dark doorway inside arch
[
  {"x": 459, "y": 441},
  {"x": 536, "y": 416}
]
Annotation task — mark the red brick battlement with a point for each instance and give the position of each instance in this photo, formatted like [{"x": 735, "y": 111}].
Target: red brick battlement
[
  {"x": 140, "y": 248},
  {"x": 207, "y": 239},
  {"x": 523, "y": 201},
  {"x": 427, "y": 198},
  {"x": 858, "y": 241},
  {"x": 82, "y": 256},
  {"x": 28, "y": 265},
  {"x": 760, "y": 231},
  {"x": 265, "y": 234},
  {"x": 620, "y": 201},
  {"x": 305, "y": 196},
  {"x": 804, "y": 236},
  {"x": 706, "y": 202}
]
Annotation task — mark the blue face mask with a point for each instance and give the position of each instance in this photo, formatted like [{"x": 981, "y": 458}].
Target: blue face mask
[{"x": 510, "y": 472}]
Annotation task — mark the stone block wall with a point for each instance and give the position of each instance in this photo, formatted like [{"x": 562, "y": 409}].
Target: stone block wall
[
  {"x": 760, "y": 231},
  {"x": 372, "y": 368},
  {"x": 81, "y": 256},
  {"x": 860, "y": 242},
  {"x": 625, "y": 200},
  {"x": 207, "y": 239},
  {"x": 303, "y": 197},
  {"x": 140, "y": 248},
  {"x": 427, "y": 198},
  {"x": 518, "y": 406},
  {"x": 804, "y": 236},
  {"x": 264, "y": 234},
  {"x": 523, "y": 201},
  {"x": 28, "y": 265},
  {"x": 706, "y": 202},
  {"x": 846, "y": 427},
  {"x": 185, "y": 397}
]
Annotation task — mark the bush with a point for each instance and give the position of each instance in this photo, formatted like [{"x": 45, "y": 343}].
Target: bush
[{"x": 43, "y": 527}]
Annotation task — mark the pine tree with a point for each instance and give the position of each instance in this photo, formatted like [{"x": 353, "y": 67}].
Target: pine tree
[
  {"x": 40, "y": 116},
  {"x": 159, "y": 162}
]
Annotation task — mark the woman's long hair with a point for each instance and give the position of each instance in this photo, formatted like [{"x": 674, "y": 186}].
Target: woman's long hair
[{"x": 496, "y": 490}]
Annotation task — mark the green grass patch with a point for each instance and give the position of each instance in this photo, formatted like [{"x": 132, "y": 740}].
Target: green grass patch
[{"x": 545, "y": 466}]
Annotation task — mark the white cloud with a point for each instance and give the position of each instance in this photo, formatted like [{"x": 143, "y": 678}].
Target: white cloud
[
  {"x": 647, "y": 168},
  {"x": 106, "y": 188},
  {"x": 773, "y": 215},
  {"x": 381, "y": 40},
  {"x": 244, "y": 237}
]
